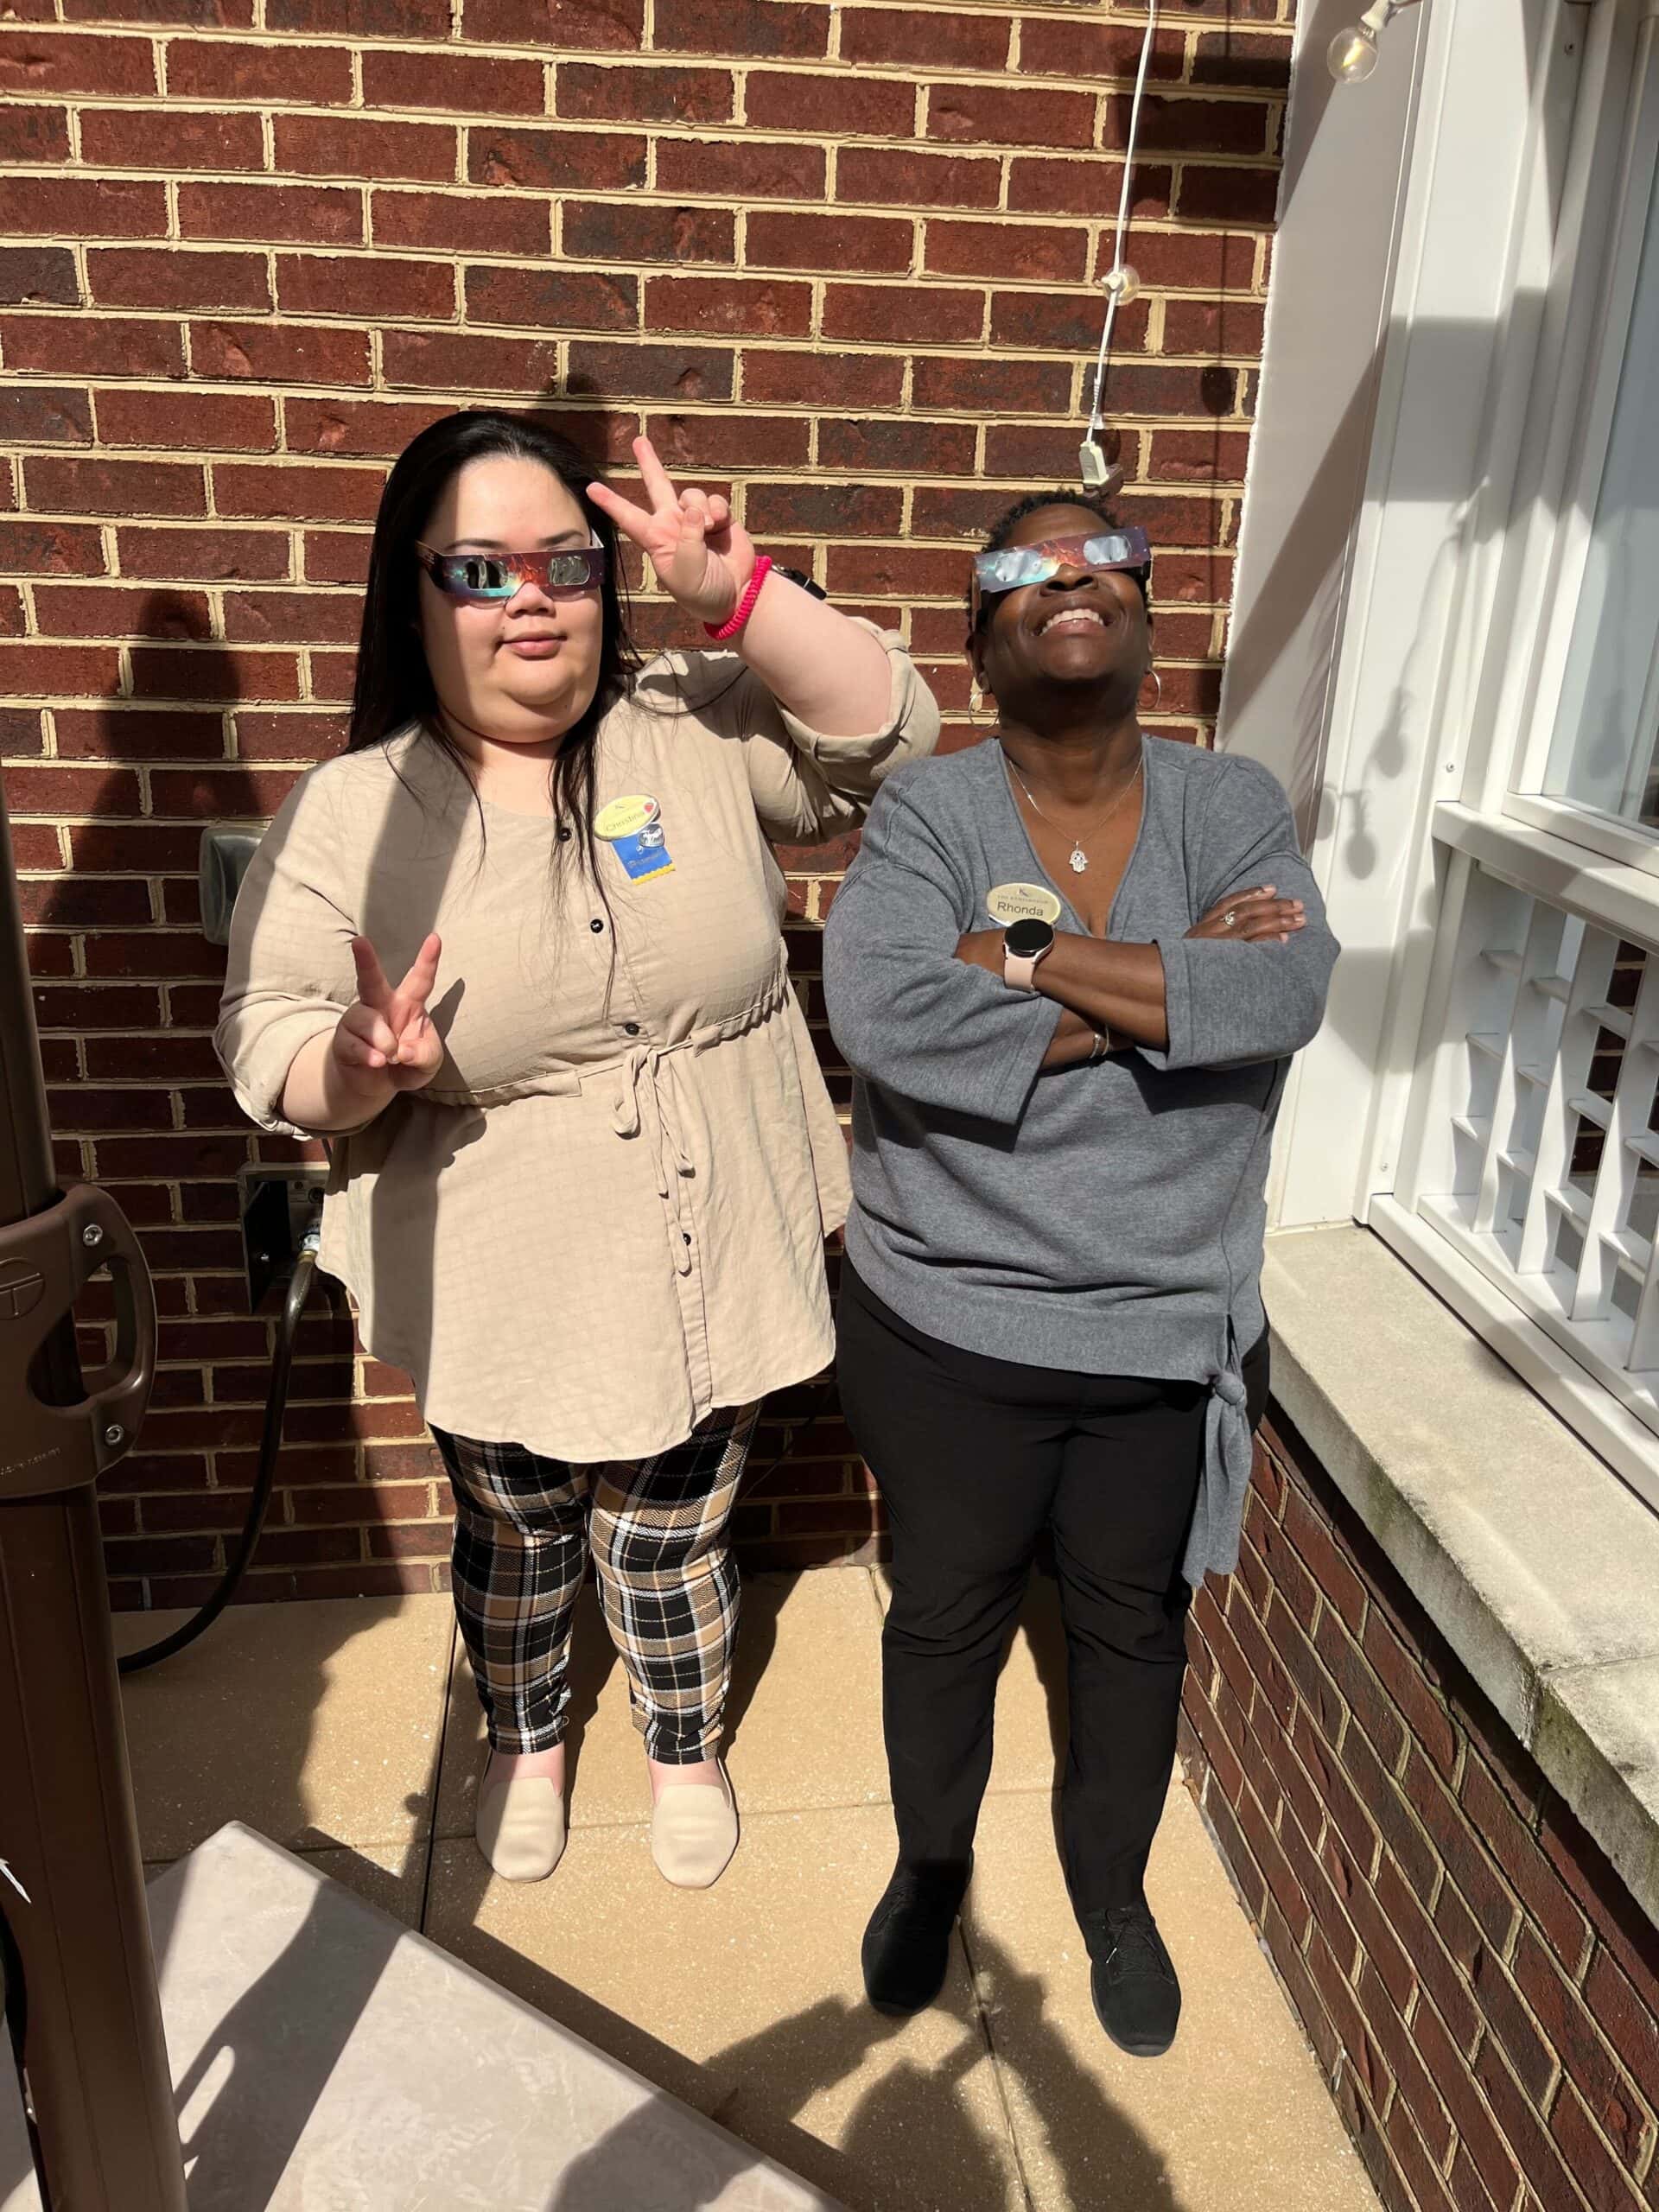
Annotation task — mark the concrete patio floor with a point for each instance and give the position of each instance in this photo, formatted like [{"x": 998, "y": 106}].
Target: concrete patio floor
[{"x": 348, "y": 1731}]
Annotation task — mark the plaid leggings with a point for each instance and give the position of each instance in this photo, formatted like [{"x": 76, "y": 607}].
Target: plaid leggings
[{"x": 656, "y": 1530}]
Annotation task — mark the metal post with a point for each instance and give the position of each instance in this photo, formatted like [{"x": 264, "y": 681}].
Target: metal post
[{"x": 81, "y": 1995}]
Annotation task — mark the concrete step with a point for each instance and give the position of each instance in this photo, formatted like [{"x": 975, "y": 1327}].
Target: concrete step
[{"x": 327, "y": 2060}]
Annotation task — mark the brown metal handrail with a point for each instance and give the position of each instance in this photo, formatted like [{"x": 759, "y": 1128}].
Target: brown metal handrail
[{"x": 80, "y": 1981}]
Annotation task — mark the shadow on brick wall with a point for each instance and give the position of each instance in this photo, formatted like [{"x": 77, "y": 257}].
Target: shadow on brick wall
[
  {"x": 137, "y": 1004},
  {"x": 151, "y": 1117}
]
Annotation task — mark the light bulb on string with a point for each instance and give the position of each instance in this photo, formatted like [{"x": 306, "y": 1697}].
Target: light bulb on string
[
  {"x": 1123, "y": 282},
  {"x": 1352, "y": 53}
]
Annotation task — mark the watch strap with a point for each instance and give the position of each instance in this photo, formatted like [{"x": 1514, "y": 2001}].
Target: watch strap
[
  {"x": 797, "y": 576},
  {"x": 1019, "y": 970}
]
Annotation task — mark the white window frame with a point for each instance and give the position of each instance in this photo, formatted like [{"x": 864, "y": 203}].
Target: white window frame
[
  {"x": 1604, "y": 295},
  {"x": 1510, "y": 296}
]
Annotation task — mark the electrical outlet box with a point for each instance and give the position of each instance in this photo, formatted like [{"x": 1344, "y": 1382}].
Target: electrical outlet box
[
  {"x": 226, "y": 849},
  {"x": 279, "y": 1206}
]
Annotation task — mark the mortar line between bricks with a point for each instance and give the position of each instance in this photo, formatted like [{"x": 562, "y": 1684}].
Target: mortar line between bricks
[
  {"x": 1022, "y": 10},
  {"x": 267, "y": 183},
  {"x": 750, "y": 273},
  {"x": 1114, "y": 85},
  {"x": 354, "y": 251}
]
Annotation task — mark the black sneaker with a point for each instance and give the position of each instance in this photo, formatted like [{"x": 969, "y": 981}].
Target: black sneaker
[
  {"x": 1133, "y": 1981},
  {"x": 906, "y": 1952}
]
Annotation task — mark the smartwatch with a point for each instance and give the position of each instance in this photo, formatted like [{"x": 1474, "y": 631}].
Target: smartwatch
[{"x": 1024, "y": 943}]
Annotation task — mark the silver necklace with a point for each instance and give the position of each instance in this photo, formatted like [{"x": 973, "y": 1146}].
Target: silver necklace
[{"x": 1079, "y": 858}]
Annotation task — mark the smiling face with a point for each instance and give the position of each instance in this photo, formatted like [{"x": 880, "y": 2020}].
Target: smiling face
[
  {"x": 1040, "y": 644},
  {"x": 523, "y": 670}
]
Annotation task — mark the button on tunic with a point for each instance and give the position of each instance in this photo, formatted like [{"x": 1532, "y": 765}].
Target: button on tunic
[{"x": 605, "y": 1216}]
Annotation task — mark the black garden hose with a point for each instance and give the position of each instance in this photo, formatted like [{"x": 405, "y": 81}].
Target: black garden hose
[{"x": 271, "y": 1443}]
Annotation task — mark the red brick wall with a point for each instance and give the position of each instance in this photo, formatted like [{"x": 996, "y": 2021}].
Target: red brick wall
[
  {"x": 1478, "y": 1984},
  {"x": 839, "y": 257}
]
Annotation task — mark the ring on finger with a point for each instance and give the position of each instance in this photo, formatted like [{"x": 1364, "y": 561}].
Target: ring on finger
[{"x": 1230, "y": 918}]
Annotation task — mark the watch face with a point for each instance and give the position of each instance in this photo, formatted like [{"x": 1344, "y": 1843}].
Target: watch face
[{"x": 1025, "y": 939}]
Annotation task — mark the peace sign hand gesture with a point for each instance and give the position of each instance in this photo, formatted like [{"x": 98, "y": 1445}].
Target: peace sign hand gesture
[
  {"x": 386, "y": 1035},
  {"x": 702, "y": 558}
]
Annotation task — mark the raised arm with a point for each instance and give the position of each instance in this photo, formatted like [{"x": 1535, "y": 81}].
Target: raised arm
[
  {"x": 822, "y": 668},
  {"x": 828, "y": 671},
  {"x": 806, "y": 784}
]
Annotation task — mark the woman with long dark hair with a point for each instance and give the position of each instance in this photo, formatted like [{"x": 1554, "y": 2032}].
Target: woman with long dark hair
[
  {"x": 1070, "y": 966},
  {"x": 582, "y": 1160}
]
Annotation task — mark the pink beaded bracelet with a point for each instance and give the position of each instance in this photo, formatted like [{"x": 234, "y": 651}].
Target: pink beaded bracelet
[{"x": 741, "y": 613}]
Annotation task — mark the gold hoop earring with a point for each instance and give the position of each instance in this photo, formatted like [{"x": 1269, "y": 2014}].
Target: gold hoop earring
[
  {"x": 975, "y": 699},
  {"x": 1158, "y": 703}
]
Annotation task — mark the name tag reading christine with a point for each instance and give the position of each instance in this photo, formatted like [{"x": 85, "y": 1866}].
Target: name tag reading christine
[
  {"x": 1022, "y": 902},
  {"x": 632, "y": 828}
]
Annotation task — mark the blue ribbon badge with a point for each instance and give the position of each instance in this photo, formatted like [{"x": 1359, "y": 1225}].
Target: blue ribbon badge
[{"x": 632, "y": 828}]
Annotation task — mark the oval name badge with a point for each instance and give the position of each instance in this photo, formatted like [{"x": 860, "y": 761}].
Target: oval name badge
[
  {"x": 1022, "y": 902},
  {"x": 624, "y": 817},
  {"x": 631, "y": 829}
]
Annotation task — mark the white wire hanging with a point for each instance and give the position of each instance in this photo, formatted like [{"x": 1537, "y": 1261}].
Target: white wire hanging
[{"x": 1121, "y": 282}]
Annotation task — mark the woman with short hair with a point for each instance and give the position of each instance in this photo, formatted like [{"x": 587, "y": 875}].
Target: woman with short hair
[{"x": 1069, "y": 968}]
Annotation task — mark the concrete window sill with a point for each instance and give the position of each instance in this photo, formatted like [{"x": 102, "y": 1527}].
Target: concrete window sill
[{"x": 1538, "y": 1565}]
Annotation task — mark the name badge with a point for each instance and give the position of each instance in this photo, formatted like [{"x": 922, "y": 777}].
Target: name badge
[
  {"x": 1022, "y": 902},
  {"x": 632, "y": 828}
]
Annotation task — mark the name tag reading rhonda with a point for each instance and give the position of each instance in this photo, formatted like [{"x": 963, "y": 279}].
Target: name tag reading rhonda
[
  {"x": 1022, "y": 902},
  {"x": 633, "y": 830}
]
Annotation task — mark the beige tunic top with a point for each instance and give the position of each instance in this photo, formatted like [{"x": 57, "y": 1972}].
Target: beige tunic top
[{"x": 605, "y": 1214}]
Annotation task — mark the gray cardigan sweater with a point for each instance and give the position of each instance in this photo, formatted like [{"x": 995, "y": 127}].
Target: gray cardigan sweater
[{"x": 1106, "y": 1219}]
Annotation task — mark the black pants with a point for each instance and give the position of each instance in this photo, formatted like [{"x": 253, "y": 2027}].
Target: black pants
[{"x": 976, "y": 1459}]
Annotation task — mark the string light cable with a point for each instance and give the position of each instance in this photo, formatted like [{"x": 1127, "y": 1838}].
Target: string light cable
[
  {"x": 1122, "y": 283},
  {"x": 1352, "y": 57}
]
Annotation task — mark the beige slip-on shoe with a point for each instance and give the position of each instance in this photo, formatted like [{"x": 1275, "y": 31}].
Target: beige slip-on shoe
[
  {"x": 520, "y": 1826},
  {"x": 694, "y": 1832}
]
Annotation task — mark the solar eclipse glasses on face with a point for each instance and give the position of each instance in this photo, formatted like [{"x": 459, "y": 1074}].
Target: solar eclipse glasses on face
[{"x": 480, "y": 578}]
